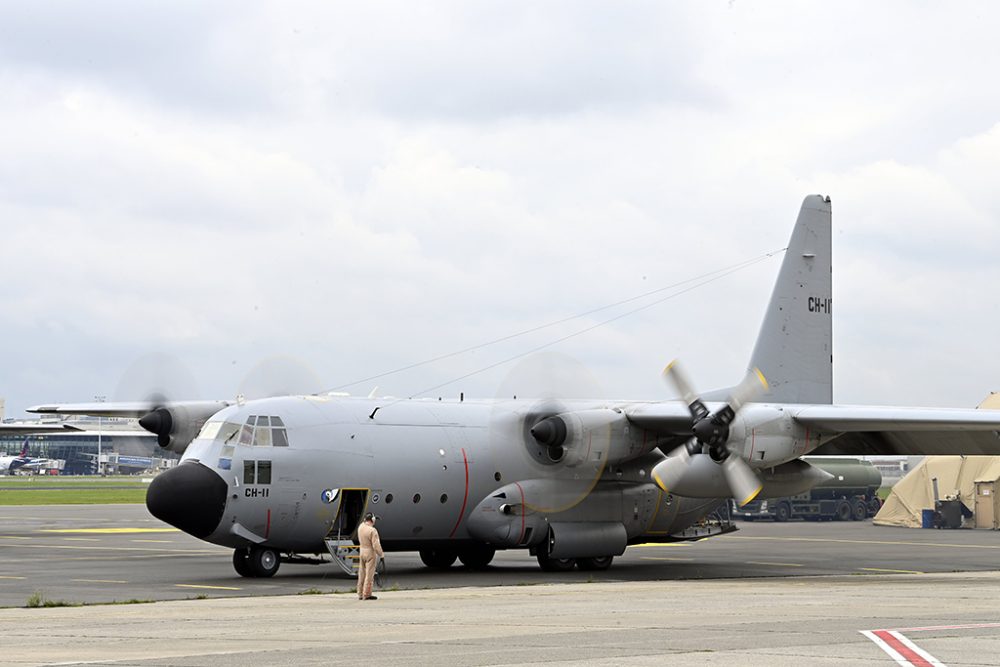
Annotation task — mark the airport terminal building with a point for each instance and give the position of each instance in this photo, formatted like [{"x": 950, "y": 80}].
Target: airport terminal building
[{"x": 105, "y": 445}]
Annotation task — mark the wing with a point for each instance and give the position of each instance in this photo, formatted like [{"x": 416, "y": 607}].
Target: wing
[
  {"x": 133, "y": 410},
  {"x": 28, "y": 429},
  {"x": 864, "y": 430},
  {"x": 175, "y": 423},
  {"x": 671, "y": 419}
]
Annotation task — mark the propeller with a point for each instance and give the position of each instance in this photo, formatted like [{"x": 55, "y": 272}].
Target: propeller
[
  {"x": 280, "y": 375},
  {"x": 531, "y": 398},
  {"x": 711, "y": 434}
]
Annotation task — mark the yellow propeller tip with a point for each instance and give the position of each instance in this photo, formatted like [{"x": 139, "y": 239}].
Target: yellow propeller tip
[
  {"x": 751, "y": 496},
  {"x": 666, "y": 369},
  {"x": 659, "y": 483}
]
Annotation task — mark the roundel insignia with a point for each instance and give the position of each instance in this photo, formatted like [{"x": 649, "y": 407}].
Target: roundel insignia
[
  {"x": 328, "y": 495},
  {"x": 375, "y": 498}
]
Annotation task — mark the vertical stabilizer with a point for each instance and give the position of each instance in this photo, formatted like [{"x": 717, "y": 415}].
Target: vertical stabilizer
[{"x": 794, "y": 348}]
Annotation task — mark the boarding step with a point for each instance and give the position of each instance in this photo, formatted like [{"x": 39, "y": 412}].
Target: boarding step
[{"x": 345, "y": 553}]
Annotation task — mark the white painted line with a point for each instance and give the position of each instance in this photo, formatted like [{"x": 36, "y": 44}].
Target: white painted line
[
  {"x": 885, "y": 647},
  {"x": 916, "y": 649},
  {"x": 901, "y": 649}
]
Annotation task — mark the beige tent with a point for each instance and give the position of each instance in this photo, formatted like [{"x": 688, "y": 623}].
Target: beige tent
[
  {"x": 957, "y": 477},
  {"x": 991, "y": 402},
  {"x": 972, "y": 479}
]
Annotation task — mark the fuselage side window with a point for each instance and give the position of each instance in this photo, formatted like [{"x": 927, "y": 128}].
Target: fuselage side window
[
  {"x": 248, "y": 467},
  {"x": 263, "y": 472}
]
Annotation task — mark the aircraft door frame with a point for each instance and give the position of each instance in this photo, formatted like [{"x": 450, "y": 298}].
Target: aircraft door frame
[{"x": 340, "y": 522}]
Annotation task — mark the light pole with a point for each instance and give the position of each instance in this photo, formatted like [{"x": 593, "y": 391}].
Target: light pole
[{"x": 100, "y": 428}]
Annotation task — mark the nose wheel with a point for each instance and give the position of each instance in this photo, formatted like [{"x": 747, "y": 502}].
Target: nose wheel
[{"x": 256, "y": 562}]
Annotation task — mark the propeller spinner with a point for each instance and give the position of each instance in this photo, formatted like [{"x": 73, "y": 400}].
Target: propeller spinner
[{"x": 711, "y": 435}]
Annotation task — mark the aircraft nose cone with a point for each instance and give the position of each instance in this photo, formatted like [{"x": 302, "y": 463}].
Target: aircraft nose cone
[{"x": 190, "y": 497}]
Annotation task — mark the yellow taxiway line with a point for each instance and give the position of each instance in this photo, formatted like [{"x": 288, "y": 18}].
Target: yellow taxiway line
[
  {"x": 109, "y": 531},
  {"x": 218, "y": 588}
]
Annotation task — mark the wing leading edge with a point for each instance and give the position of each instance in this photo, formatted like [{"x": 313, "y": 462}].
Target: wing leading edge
[{"x": 870, "y": 430}]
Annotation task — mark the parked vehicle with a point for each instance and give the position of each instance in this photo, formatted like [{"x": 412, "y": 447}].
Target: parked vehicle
[{"x": 852, "y": 494}]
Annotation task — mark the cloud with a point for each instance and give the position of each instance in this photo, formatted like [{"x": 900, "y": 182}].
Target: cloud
[{"x": 364, "y": 186}]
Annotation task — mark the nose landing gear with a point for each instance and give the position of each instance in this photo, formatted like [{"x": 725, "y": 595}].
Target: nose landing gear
[{"x": 256, "y": 562}]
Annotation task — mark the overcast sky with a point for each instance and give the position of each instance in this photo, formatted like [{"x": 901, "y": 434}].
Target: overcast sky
[{"x": 196, "y": 196}]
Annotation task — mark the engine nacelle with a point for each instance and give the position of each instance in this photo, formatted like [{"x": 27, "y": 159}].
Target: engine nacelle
[
  {"x": 699, "y": 476},
  {"x": 575, "y": 437},
  {"x": 768, "y": 436},
  {"x": 177, "y": 425},
  {"x": 696, "y": 476}
]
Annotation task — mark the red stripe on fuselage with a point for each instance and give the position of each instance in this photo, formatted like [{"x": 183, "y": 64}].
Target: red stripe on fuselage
[
  {"x": 465, "y": 499},
  {"x": 520, "y": 537}
]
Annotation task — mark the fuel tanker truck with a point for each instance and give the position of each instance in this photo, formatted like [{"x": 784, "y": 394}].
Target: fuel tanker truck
[{"x": 851, "y": 494}]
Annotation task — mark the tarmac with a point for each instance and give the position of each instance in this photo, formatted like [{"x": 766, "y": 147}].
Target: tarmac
[
  {"x": 777, "y": 621},
  {"x": 794, "y": 593}
]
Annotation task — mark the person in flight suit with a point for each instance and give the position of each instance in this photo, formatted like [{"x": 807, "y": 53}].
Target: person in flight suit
[{"x": 371, "y": 552}]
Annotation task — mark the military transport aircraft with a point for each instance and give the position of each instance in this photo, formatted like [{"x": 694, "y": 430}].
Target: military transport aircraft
[{"x": 574, "y": 482}]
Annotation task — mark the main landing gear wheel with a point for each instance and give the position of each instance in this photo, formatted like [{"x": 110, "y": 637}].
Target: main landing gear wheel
[
  {"x": 555, "y": 564},
  {"x": 596, "y": 564},
  {"x": 439, "y": 559},
  {"x": 241, "y": 562},
  {"x": 477, "y": 557},
  {"x": 256, "y": 562},
  {"x": 264, "y": 561}
]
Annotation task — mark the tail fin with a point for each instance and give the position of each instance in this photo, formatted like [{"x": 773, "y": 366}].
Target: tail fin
[
  {"x": 794, "y": 348},
  {"x": 24, "y": 449}
]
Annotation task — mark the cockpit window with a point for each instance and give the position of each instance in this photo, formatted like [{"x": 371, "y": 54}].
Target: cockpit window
[
  {"x": 227, "y": 432},
  {"x": 210, "y": 430},
  {"x": 269, "y": 431}
]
